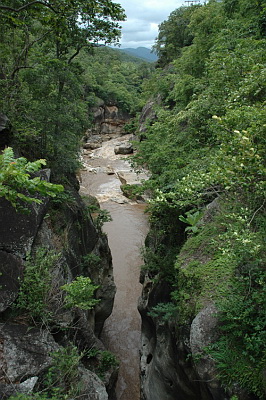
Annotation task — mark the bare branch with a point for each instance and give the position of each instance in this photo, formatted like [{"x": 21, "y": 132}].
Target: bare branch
[
  {"x": 78, "y": 51},
  {"x": 32, "y": 3},
  {"x": 18, "y": 69},
  {"x": 24, "y": 53},
  {"x": 253, "y": 216}
]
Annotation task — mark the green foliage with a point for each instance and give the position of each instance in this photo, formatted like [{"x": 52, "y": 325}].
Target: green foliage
[
  {"x": 61, "y": 379},
  {"x": 34, "y": 296},
  {"x": 110, "y": 77},
  {"x": 35, "y": 396},
  {"x": 164, "y": 311},
  {"x": 43, "y": 86},
  {"x": 18, "y": 184},
  {"x": 174, "y": 34},
  {"x": 159, "y": 261},
  {"x": 100, "y": 216},
  {"x": 208, "y": 142},
  {"x": 79, "y": 293},
  {"x": 90, "y": 260},
  {"x": 241, "y": 351},
  {"x": 105, "y": 361},
  {"x": 191, "y": 219}
]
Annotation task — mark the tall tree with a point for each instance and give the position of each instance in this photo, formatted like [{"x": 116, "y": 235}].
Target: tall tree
[
  {"x": 39, "y": 42},
  {"x": 174, "y": 34}
]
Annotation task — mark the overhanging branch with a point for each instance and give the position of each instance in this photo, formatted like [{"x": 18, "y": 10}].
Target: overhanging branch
[{"x": 32, "y": 3}]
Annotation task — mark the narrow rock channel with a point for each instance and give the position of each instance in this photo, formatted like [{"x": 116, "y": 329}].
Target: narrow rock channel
[{"x": 126, "y": 233}]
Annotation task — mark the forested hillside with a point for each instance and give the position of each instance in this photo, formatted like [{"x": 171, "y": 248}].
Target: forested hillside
[
  {"x": 52, "y": 70},
  {"x": 204, "y": 145}
]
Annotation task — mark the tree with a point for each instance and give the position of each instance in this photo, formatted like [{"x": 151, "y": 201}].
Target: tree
[
  {"x": 174, "y": 34},
  {"x": 40, "y": 83}
]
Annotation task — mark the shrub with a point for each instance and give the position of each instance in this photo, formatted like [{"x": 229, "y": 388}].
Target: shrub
[
  {"x": 33, "y": 297},
  {"x": 79, "y": 293},
  {"x": 17, "y": 183}
]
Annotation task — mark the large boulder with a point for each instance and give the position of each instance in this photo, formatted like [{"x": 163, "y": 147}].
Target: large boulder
[
  {"x": 204, "y": 332},
  {"x": 24, "y": 352},
  {"x": 11, "y": 268},
  {"x": 124, "y": 148},
  {"x": 148, "y": 115},
  {"x": 93, "y": 387},
  {"x": 18, "y": 230}
]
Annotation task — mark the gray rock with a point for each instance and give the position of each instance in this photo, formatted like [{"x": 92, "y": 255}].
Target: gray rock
[
  {"x": 148, "y": 115},
  {"x": 204, "y": 332},
  {"x": 11, "y": 271},
  {"x": 165, "y": 372},
  {"x": 124, "y": 148},
  {"x": 17, "y": 230},
  {"x": 92, "y": 387},
  {"x": 28, "y": 385},
  {"x": 24, "y": 352},
  {"x": 91, "y": 146}
]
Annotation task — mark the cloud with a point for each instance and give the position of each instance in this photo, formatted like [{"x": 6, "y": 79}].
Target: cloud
[{"x": 143, "y": 17}]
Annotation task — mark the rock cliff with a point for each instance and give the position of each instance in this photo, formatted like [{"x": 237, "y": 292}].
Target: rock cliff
[
  {"x": 108, "y": 122},
  {"x": 59, "y": 237},
  {"x": 174, "y": 361}
]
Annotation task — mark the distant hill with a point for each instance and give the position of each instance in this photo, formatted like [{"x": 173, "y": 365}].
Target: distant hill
[{"x": 141, "y": 52}]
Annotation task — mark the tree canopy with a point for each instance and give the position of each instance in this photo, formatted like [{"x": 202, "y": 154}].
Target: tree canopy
[
  {"x": 41, "y": 83},
  {"x": 206, "y": 146}
]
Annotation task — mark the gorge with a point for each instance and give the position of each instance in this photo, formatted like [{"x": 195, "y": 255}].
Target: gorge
[{"x": 132, "y": 204}]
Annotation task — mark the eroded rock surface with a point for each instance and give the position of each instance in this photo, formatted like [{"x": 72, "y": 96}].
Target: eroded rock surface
[
  {"x": 109, "y": 121},
  {"x": 65, "y": 229},
  {"x": 167, "y": 371},
  {"x": 124, "y": 148}
]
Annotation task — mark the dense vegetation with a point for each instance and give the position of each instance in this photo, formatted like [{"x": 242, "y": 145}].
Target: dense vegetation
[
  {"x": 52, "y": 70},
  {"x": 207, "y": 146}
]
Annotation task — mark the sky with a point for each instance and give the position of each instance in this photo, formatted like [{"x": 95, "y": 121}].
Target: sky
[{"x": 143, "y": 17}]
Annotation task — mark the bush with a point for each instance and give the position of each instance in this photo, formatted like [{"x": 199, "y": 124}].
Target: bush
[
  {"x": 17, "y": 183},
  {"x": 79, "y": 293},
  {"x": 34, "y": 294}
]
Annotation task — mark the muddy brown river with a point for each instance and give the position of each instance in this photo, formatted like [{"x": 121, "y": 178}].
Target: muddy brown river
[{"x": 126, "y": 233}]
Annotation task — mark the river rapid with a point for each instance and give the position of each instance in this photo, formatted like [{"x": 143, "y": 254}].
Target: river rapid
[{"x": 126, "y": 233}]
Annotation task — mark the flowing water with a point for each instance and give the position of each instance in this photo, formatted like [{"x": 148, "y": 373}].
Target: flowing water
[{"x": 126, "y": 233}]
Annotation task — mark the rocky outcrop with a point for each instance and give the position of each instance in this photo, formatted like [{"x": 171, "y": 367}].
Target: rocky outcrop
[
  {"x": 18, "y": 230},
  {"x": 108, "y": 122},
  {"x": 167, "y": 370},
  {"x": 63, "y": 229},
  {"x": 24, "y": 352},
  {"x": 148, "y": 116},
  {"x": 27, "y": 352},
  {"x": 174, "y": 362},
  {"x": 204, "y": 332}
]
